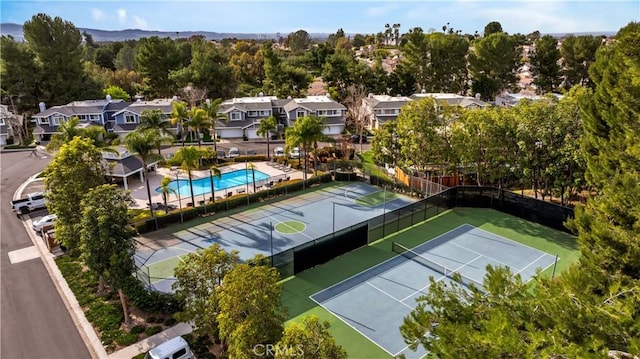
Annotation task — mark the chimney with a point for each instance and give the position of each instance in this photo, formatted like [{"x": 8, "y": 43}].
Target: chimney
[{"x": 42, "y": 106}]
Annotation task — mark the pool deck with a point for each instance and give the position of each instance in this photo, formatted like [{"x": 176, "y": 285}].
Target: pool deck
[{"x": 139, "y": 191}]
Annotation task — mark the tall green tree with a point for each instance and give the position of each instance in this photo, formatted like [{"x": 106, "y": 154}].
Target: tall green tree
[
  {"x": 214, "y": 172},
  {"x": 544, "y": 64},
  {"x": 179, "y": 114},
  {"x": 21, "y": 76},
  {"x": 155, "y": 120},
  {"x": 198, "y": 275},
  {"x": 156, "y": 58},
  {"x": 280, "y": 78},
  {"x": 166, "y": 189},
  {"x": 578, "y": 53},
  {"x": 309, "y": 339},
  {"x": 208, "y": 67},
  {"x": 268, "y": 126},
  {"x": 493, "y": 64},
  {"x": 250, "y": 311},
  {"x": 189, "y": 159},
  {"x": 306, "y": 132},
  {"x": 142, "y": 142},
  {"x": 125, "y": 58},
  {"x": 298, "y": 41},
  {"x": 492, "y": 28},
  {"x": 418, "y": 140},
  {"x": 57, "y": 45},
  {"x": 74, "y": 170},
  {"x": 107, "y": 242},
  {"x": 197, "y": 120}
]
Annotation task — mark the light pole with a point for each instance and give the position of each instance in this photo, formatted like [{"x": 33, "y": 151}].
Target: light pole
[
  {"x": 334, "y": 219},
  {"x": 176, "y": 171},
  {"x": 394, "y": 137}
]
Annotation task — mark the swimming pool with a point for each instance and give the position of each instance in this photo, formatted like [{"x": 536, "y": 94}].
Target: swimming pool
[{"x": 227, "y": 180}]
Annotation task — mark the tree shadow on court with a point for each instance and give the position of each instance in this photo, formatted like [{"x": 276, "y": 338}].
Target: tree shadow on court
[{"x": 297, "y": 290}]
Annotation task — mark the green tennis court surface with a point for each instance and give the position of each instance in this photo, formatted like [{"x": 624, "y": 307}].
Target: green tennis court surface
[{"x": 299, "y": 289}]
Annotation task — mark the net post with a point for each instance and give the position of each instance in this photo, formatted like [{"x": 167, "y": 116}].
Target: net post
[{"x": 555, "y": 263}]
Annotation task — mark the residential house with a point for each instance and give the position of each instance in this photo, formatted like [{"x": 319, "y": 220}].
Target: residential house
[
  {"x": 121, "y": 165},
  {"x": 89, "y": 112},
  {"x": 508, "y": 99},
  {"x": 378, "y": 109},
  {"x": 333, "y": 112},
  {"x": 9, "y": 121},
  {"x": 243, "y": 116},
  {"x": 127, "y": 118}
]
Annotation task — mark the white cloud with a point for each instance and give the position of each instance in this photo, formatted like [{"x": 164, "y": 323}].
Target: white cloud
[
  {"x": 122, "y": 15},
  {"x": 97, "y": 15},
  {"x": 140, "y": 23}
]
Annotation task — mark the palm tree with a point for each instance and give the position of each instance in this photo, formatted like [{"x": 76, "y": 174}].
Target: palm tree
[
  {"x": 306, "y": 131},
  {"x": 214, "y": 172},
  {"x": 267, "y": 126},
  {"x": 197, "y": 120},
  {"x": 166, "y": 189},
  {"x": 155, "y": 120},
  {"x": 252, "y": 167},
  {"x": 70, "y": 129},
  {"x": 143, "y": 142},
  {"x": 189, "y": 159},
  {"x": 211, "y": 108},
  {"x": 178, "y": 114}
]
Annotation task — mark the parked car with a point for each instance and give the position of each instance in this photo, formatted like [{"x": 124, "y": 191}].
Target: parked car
[
  {"x": 295, "y": 153},
  {"x": 221, "y": 154},
  {"x": 32, "y": 202},
  {"x": 176, "y": 348},
  {"x": 251, "y": 152},
  {"x": 356, "y": 138},
  {"x": 234, "y": 152},
  {"x": 278, "y": 152},
  {"x": 43, "y": 222}
]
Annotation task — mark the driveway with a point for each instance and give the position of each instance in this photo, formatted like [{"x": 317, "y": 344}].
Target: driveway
[{"x": 35, "y": 321}]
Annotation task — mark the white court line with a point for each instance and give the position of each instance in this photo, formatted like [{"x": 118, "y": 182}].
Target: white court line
[
  {"x": 279, "y": 221},
  {"x": 390, "y": 296},
  {"x": 476, "y": 252},
  {"x": 507, "y": 239},
  {"x": 420, "y": 290},
  {"x": 532, "y": 263},
  {"x": 351, "y": 326},
  {"x": 446, "y": 276}
]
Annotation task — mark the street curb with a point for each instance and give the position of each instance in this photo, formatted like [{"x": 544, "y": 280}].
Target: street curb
[{"x": 87, "y": 333}]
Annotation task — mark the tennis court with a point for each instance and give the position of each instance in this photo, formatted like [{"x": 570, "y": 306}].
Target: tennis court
[
  {"x": 270, "y": 229},
  {"x": 375, "y": 301}
]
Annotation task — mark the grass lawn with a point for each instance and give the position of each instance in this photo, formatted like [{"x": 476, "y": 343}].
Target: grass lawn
[{"x": 297, "y": 289}]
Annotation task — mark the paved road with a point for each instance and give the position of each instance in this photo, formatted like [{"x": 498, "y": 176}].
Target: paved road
[{"x": 35, "y": 322}]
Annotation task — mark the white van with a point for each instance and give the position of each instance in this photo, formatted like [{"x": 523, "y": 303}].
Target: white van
[{"x": 176, "y": 348}]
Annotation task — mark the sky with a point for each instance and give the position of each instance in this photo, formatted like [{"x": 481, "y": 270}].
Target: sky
[{"x": 366, "y": 17}]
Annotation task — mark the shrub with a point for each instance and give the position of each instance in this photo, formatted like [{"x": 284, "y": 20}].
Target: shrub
[
  {"x": 126, "y": 339},
  {"x": 105, "y": 316},
  {"x": 159, "y": 320},
  {"x": 137, "y": 329},
  {"x": 170, "y": 322},
  {"x": 153, "y": 330},
  {"x": 151, "y": 320},
  {"x": 139, "y": 356}
]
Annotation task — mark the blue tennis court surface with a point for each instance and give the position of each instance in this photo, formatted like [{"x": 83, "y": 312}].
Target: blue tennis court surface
[
  {"x": 270, "y": 228},
  {"x": 375, "y": 302}
]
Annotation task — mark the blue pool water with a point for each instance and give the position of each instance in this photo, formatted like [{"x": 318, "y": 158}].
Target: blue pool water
[{"x": 227, "y": 180}]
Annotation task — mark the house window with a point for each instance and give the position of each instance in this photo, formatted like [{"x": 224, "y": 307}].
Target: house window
[
  {"x": 235, "y": 116},
  {"x": 253, "y": 113},
  {"x": 94, "y": 117},
  {"x": 129, "y": 118},
  {"x": 377, "y": 112},
  {"x": 1, "y": 121},
  {"x": 300, "y": 114},
  {"x": 44, "y": 121},
  {"x": 57, "y": 120},
  {"x": 322, "y": 113},
  {"x": 264, "y": 113}
]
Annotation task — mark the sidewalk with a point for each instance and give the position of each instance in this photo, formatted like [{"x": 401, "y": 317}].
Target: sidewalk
[{"x": 88, "y": 334}]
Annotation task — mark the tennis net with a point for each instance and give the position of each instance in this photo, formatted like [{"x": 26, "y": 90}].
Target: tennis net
[{"x": 408, "y": 253}]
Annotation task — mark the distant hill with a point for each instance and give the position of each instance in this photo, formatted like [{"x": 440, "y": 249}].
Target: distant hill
[{"x": 15, "y": 30}]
